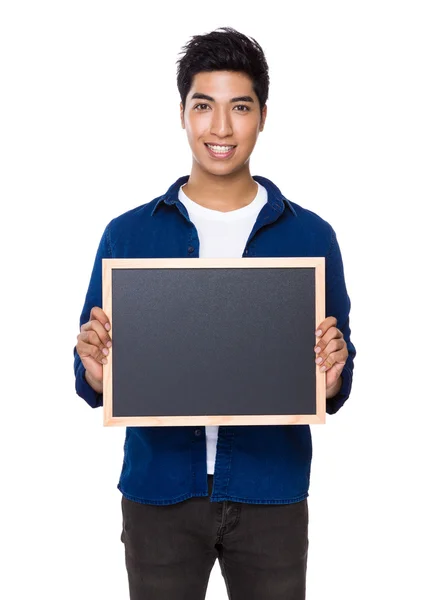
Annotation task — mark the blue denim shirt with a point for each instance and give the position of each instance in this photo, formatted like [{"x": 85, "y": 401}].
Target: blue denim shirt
[{"x": 261, "y": 464}]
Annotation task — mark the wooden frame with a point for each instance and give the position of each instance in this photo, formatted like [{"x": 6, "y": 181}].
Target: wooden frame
[{"x": 318, "y": 263}]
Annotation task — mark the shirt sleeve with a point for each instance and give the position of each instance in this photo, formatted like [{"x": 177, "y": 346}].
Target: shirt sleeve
[
  {"x": 93, "y": 298},
  {"x": 338, "y": 305}
]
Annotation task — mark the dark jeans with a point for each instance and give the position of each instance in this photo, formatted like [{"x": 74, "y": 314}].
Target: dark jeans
[{"x": 171, "y": 549}]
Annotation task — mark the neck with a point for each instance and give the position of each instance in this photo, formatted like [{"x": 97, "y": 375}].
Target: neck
[{"x": 221, "y": 192}]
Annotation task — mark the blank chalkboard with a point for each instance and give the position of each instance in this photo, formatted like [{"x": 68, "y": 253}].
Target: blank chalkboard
[{"x": 211, "y": 341}]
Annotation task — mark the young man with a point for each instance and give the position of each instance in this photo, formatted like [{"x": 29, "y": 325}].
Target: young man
[{"x": 239, "y": 494}]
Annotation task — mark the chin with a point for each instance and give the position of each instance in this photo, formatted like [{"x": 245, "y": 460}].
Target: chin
[
  {"x": 223, "y": 171},
  {"x": 220, "y": 169}
]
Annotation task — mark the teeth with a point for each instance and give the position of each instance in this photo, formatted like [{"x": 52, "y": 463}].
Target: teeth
[{"x": 222, "y": 149}]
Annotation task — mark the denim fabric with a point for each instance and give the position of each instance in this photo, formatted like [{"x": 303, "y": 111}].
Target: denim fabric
[
  {"x": 267, "y": 464},
  {"x": 170, "y": 550}
]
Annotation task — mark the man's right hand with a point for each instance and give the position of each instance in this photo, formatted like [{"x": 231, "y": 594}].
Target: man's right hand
[{"x": 93, "y": 343}]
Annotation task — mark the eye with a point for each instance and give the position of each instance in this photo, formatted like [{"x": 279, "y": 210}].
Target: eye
[{"x": 239, "y": 106}]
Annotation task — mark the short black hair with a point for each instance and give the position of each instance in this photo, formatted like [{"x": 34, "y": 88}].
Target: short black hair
[{"x": 223, "y": 49}]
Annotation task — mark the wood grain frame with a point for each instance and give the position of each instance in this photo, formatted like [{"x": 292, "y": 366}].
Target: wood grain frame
[{"x": 318, "y": 263}]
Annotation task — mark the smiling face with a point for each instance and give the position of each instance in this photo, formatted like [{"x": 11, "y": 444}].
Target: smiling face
[{"x": 222, "y": 119}]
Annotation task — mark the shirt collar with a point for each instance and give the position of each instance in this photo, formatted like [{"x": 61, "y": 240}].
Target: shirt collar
[{"x": 274, "y": 195}]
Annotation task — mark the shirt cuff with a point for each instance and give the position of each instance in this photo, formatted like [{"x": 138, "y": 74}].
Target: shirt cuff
[
  {"x": 85, "y": 391},
  {"x": 336, "y": 402}
]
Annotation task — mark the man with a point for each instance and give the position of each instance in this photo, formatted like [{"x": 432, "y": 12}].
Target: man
[{"x": 239, "y": 494}]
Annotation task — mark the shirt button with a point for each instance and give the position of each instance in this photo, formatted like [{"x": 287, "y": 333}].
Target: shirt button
[
  {"x": 190, "y": 249},
  {"x": 198, "y": 432}
]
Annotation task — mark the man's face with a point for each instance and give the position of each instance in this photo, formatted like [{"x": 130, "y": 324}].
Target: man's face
[{"x": 226, "y": 112}]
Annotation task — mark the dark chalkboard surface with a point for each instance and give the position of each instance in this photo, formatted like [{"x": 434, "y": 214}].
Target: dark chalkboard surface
[{"x": 213, "y": 341}]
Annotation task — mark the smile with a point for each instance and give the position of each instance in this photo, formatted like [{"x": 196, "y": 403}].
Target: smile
[{"x": 217, "y": 151}]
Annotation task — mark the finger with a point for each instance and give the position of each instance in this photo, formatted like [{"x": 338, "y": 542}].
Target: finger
[
  {"x": 91, "y": 337},
  {"x": 334, "y": 345},
  {"x": 331, "y": 334},
  {"x": 104, "y": 338},
  {"x": 335, "y": 358},
  {"x": 86, "y": 350},
  {"x": 97, "y": 313},
  {"x": 325, "y": 325}
]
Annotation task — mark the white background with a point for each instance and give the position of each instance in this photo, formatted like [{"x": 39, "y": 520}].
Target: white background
[{"x": 89, "y": 129}]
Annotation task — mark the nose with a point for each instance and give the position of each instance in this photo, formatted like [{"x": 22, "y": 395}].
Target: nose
[{"x": 221, "y": 123}]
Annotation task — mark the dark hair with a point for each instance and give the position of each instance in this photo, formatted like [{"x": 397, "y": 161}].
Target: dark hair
[{"x": 223, "y": 49}]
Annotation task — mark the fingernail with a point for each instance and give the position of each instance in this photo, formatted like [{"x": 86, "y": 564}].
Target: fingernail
[
  {"x": 109, "y": 344},
  {"x": 317, "y": 350},
  {"x": 107, "y": 326},
  {"x": 323, "y": 368},
  {"x": 319, "y": 360},
  {"x": 104, "y": 361},
  {"x": 319, "y": 332},
  {"x": 105, "y": 351}
]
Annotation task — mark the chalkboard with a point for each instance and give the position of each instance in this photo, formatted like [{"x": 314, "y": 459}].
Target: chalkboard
[{"x": 212, "y": 341}]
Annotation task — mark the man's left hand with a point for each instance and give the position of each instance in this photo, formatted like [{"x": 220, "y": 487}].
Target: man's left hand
[{"x": 331, "y": 351}]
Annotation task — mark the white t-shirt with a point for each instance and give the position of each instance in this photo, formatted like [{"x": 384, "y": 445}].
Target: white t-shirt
[{"x": 222, "y": 235}]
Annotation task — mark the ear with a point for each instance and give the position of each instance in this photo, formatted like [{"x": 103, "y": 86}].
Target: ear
[
  {"x": 263, "y": 117},
  {"x": 181, "y": 108}
]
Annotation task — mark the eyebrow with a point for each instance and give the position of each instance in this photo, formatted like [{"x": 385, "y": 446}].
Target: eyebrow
[{"x": 201, "y": 96}]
